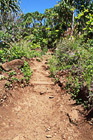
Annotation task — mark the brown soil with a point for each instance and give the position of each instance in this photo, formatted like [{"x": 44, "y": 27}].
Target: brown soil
[{"x": 42, "y": 111}]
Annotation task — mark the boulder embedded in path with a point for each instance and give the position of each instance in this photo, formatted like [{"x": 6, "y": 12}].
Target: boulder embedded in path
[{"x": 14, "y": 64}]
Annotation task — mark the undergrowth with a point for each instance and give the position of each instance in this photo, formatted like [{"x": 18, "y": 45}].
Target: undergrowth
[
  {"x": 26, "y": 71},
  {"x": 24, "y": 49},
  {"x": 77, "y": 59},
  {"x": 19, "y": 50}
]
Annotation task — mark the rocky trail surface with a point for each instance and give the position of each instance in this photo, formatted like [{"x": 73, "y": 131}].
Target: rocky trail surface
[{"x": 42, "y": 111}]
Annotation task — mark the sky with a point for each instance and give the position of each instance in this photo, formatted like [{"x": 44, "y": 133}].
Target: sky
[{"x": 36, "y": 5}]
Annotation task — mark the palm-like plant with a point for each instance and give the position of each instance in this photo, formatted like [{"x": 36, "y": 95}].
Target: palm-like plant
[{"x": 7, "y": 6}]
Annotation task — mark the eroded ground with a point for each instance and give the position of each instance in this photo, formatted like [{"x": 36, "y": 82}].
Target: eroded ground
[{"x": 42, "y": 111}]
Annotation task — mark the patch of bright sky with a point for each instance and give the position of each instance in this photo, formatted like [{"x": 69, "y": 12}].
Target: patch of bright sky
[{"x": 37, "y": 5}]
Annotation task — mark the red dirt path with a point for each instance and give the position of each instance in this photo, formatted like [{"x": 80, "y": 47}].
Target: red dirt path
[{"x": 42, "y": 111}]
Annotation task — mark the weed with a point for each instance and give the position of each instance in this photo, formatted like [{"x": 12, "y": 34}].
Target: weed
[
  {"x": 12, "y": 73},
  {"x": 26, "y": 71}
]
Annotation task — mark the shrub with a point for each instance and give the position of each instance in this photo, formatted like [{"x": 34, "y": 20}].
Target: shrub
[
  {"x": 19, "y": 50},
  {"x": 77, "y": 59}
]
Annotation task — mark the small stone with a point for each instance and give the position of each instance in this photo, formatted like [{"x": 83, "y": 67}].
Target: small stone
[
  {"x": 4, "y": 97},
  {"x": 41, "y": 93},
  {"x": 19, "y": 137},
  {"x": 55, "y": 134},
  {"x": 15, "y": 87},
  {"x": 1, "y": 76},
  {"x": 11, "y": 85},
  {"x": 48, "y": 129},
  {"x": 22, "y": 85},
  {"x": 90, "y": 123},
  {"x": 48, "y": 136},
  {"x": 73, "y": 116},
  {"x": 51, "y": 97},
  {"x": 18, "y": 73},
  {"x": 1, "y": 100}
]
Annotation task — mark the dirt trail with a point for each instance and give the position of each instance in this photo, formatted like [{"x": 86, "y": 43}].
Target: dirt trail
[{"x": 41, "y": 111}]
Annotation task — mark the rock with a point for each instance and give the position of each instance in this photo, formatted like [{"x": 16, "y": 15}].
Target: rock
[
  {"x": 14, "y": 64},
  {"x": 61, "y": 80},
  {"x": 41, "y": 93},
  {"x": 48, "y": 129},
  {"x": 19, "y": 137},
  {"x": 51, "y": 97},
  {"x": 73, "y": 116},
  {"x": 48, "y": 136},
  {"x": 1, "y": 76}
]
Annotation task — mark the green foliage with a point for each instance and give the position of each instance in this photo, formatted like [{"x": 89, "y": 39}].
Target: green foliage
[
  {"x": 12, "y": 73},
  {"x": 1, "y": 34},
  {"x": 73, "y": 57},
  {"x": 85, "y": 19},
  {"x": 19, "y": 50},
  {"x": 53, "y": 65},
  {"x": 44, "y": 51},
  {"x": 3, "y": 55},
  {"x": 15, "y": 53},
  {"x": 7, "y": 85},
  {"x": 26, "y": 71}
]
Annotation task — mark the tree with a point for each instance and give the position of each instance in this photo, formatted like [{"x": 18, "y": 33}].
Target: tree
[
  {"x": 8, "y": 9},
  {"x": 7, "y": 6},
  {"x": 81, "y": 4}
]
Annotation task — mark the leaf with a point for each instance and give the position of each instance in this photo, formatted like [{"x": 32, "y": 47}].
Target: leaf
[
  {"x": 72, "y": 9},
  {"x": 84, "y": 28},
  {"x": 89, "y": 28},
  {"x": 57, "y": 30},
  {"x": 86, "y": 10},
  {"x": 88, "y": 23},
  {"x": 87, "y": 17}
]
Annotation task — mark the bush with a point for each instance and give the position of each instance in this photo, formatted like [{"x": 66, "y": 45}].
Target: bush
[
  {"x": 71, "y": 56},
  {"x": 19, "y": 50}
]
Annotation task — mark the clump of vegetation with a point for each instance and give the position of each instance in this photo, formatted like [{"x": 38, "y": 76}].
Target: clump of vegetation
[
  {"x": 77, "y": 59},
  {"x": 23, "y": 80},
  {"x": 12, "y": 73},
  {"x": 26, "y": 71},
  {"x": 18, "y": 51}
]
